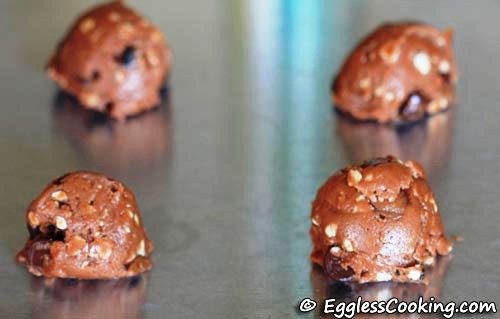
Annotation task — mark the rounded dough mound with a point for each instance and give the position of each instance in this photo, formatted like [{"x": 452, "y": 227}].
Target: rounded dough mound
[
  {"x": 377, "y": 221},
  {"x": 88, "y": 226},
  {"x": 400, "y": 72},
  {"x": 113, "y": 61}
]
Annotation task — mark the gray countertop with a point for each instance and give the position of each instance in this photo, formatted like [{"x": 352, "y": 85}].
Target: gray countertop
[{"x": 225, "y": 170}]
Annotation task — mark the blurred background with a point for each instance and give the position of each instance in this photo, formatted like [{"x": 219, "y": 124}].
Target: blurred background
[{"x": 225, "y": 169}]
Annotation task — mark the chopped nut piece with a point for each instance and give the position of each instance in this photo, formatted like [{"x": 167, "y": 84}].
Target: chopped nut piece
[
  {"x": 383, "y": 276},
  {"x": 141, "y": 249},
  {"x": 428, "y": 261},
  {"x": 90, "y": 99},
  {"x": 444, "y": 67},
  {"x": 315, "y": 220},
  {"x": 104, "y": 248},
  {"x": 75, "y": 245},
  {"x": 157, "y": 36},
  {"x": 390, "y": 52},
  {"x": 59, "y": 196},
  {"x": 331, "y": 230},
  {"x": 61, "y": 223},
  {"x": 130, "y": 214},
  {"x": 335, "y": 250},
  {"x": 87, "y": 25},
  {"x": 369, "y": 177},
  {"x": 125, "y": 29},
  {"x": 114, "y": 16},
  {"x": 365, "y": 83},
  {"x": 347, "y": 244},
  {"x": 443, "y": 103},
  {"x": 119, "y": 76},
  {"x": 379, "y": 91},
  {"x": 33, "y": 220},
  {"x": 414, "y": 274},
  {"x": 360, "y": 198},
  {"x": 130, "y": 258},
  {"x": 422, "y": 62},
  {"x": 433, "y": 107},
  {"x": 152, "y": 58},
  {"x": 136, "y": 219},
  {"x": 353, "y": 177},
  {"x": 389, "y": 96}
]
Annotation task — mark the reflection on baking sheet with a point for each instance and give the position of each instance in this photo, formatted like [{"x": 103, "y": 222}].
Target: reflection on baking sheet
[
  {"x": 134, "y": 145},
  {"x": 70, "y": 298},
  {"x": 328, "y": 289},
  {"x": 427, "y": 142}
]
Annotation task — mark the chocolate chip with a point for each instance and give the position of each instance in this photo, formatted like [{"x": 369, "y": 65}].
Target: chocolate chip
[
  {"x": 414, "y": 107},
  {"x": 34, "y": 231},
  {"x": 334, "y": 269},
  {"x": 37, "y": 251},
  {"x": 127, "y": 56}
]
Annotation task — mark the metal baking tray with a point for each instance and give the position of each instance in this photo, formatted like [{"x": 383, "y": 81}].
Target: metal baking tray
[{"x": 225, "y": 170}]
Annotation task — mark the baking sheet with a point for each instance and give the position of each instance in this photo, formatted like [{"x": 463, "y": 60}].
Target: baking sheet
[{"x": 225, "y": 170}]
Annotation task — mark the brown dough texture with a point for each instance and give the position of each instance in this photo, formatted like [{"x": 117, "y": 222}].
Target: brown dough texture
[
  {"x": 399, "y": 73},
  {"x": 377, "y": 221},
  {"x": 113, "y": 61},
  {"x": 87, "y": 226}
]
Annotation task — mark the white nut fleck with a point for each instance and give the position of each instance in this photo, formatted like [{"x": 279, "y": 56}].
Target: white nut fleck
[
  {"x": 353, "y": 177},
  {"x": 104, "y": 252},
  {"x": 429, "y": 261},
  {"x": 365, "y": 83},
  {"x": 360, "y": 198},
  {"x": 119, "y": 76},
  {"x": 130, "y": 214},
  {"x": 389, "y": 96},
  {"x": 414, "y": 274},
  {"x": 126, "y": 229},
  {"x": 59, "y": 196},
  {"x": 335, "y": 250},
  {"x": 136, "y": 219},
  {"x": 443, "y": 103},
  {"x": 434, "y": 204},
  {"x": 87, "y": 25},
  {"x": 422, "y": 62},
  {"x": 347, "y": 244},
  {"x": 90, "y": 99},
  {"x": 315, "y": 220},
  {"x": 141, "y": 249},
  {"x": 379, "y": 91},
  {"x": 33, "y": 220},
  {"x": 383, "y": 276},
  {"x": 444, "y": 67},
  {"x": 369, "y": 177},
  {"x": 114, "y": 16},
  {"x": 390, "y": 52},
  {"x": 331, "y": 230},
  {"x": 152, "y": 58},
  {"x": 61, "y": 223}
]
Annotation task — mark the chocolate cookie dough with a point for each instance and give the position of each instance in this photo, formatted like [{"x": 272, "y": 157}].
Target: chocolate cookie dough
[
  {"x": 400, "y": 72},
  {"x": 377, "y": 221},
  {"x": 113, "y": 61},
  {"x": 85, "y": 225}
]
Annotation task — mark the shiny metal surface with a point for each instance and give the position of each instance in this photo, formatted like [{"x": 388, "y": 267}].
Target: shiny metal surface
[{"x": 225, "y": 171}]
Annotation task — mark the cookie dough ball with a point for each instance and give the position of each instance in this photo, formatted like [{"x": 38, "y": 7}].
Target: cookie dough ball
[
  {"x": 400, "y": 73},
  {"x": 87, "y": 226},
  {"x": 113, "y": 61},
  {"x": 377, "y": 221}
]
